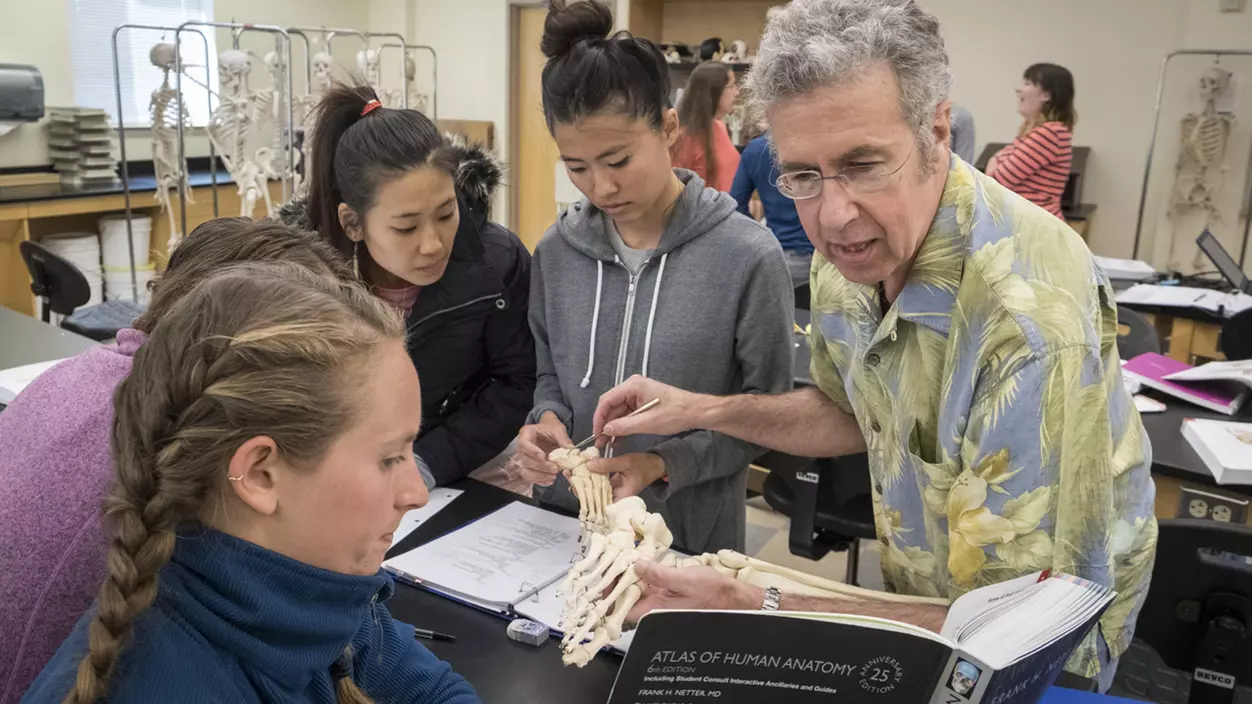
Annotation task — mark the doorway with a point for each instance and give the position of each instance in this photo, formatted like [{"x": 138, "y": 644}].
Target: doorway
[{"x": 533, "y": 155}]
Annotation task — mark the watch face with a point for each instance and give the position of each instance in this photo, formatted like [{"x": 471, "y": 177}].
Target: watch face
[{"x": 773, "y": 598}]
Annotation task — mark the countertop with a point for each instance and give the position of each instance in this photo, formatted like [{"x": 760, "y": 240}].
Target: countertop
[{"x": 139, "y": 183}]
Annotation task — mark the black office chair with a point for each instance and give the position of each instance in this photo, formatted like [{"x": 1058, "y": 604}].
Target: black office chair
[
  {"x": 802, "y": 297},
  {"x": 1140, "y": 337},
  {"x": 1236, "y": 337},
  {"x": 828, "y": 501},
  {"x": 1197, "y": 616},
  {"x": 63, "y": 288}
]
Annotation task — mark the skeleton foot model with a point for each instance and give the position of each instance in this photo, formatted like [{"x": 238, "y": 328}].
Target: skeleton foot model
[
  {"x": 602, "y": 587},
  {"x": 593, "y": 490}
]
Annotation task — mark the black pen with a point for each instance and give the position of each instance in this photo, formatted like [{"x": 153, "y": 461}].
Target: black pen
[{"x": 432, "y": 635}]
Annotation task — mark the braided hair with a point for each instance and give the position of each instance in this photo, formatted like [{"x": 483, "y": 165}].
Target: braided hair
[{"x": 268, "y": 349}]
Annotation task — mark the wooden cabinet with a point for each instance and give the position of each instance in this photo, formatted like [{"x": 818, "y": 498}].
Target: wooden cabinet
[
  {"x": 693, "y": 21},
  {"x": 33, "y": 220}
]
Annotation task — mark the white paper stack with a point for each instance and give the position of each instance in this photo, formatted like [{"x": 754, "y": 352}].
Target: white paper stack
[
  {"x": 80, "y": 143},
  {"x": 1126, "y": 269},
  {"x": 1217, "y": 302},
  {"x": 1225, "y": 447}
]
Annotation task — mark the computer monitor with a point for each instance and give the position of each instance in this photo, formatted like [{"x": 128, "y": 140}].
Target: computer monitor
[{"x": 1225, "y": 263}]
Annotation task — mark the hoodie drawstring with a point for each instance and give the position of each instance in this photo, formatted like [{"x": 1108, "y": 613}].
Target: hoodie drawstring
[
  {"x": 656, "y": 294},
  {"x": 595, "y": 320}
]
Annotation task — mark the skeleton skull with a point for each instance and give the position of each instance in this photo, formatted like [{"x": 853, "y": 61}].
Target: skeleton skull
[
  {"x": 1214, "y": 83},
  {"x": 274, "y": 62},
  {"x": 366, "y": 59},
  {"x": 410, "y": 68},
  {"x": 322, "y": 63},
  {"x": 163, "y": 56},
  {"x": 233, "y": 67}
]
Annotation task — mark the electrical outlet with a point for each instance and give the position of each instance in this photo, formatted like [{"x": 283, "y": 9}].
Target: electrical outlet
[
  {"x": 1194, "y": 503},
  {"x": 1231, "y": 5}
]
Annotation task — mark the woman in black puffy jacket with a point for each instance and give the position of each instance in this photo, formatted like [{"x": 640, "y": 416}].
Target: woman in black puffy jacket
[{"x": 409, "y": 209}]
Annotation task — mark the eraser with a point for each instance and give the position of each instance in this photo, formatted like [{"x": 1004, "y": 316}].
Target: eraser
[{"x": 523, "y": 630}]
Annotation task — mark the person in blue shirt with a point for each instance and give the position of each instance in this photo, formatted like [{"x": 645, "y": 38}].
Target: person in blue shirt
[
  {"x": 758, "y": 173},
  {"x": 263, "y": 458},
  {"x": 962, "y": 140}
]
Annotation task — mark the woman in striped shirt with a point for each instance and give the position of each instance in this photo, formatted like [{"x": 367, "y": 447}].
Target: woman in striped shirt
[{"x": 1036, "y": 165}]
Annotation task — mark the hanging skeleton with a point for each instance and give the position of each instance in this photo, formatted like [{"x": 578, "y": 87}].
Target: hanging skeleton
[
  {"x": 1205, "y": 136},
  {"x": 320, "y": 83},
  {"x": 417, "y": 100},
  {"x": 270, "y": 110},
  {"x": 367, "y": 63},
  {"x": 602, "y": 587},
  {"x": 394, "y": 98},
  {"x": 235, "y": 126},
  {"x": 165, "y": 113}
]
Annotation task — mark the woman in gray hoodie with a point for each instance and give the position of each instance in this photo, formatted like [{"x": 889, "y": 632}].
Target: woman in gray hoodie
[{"x": 652, "y": 274}]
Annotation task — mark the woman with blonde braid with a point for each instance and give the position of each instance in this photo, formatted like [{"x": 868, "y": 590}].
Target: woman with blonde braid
[{"x": 263, "y": 453}]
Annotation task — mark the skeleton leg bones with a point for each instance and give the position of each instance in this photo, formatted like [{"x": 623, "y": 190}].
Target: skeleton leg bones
[{"x": 600, "y": 596}]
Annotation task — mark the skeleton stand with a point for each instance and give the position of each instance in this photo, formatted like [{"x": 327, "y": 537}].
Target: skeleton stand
[
  {"x": 1156, "y": 123},
  {"x": 121, "y": 140}
]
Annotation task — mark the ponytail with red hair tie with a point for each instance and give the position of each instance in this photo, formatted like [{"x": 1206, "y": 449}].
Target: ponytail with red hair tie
[{"x": 371, "y": 106}]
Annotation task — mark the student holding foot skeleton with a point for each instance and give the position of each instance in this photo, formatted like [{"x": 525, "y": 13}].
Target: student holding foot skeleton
[{"x": 651, "y": 273}]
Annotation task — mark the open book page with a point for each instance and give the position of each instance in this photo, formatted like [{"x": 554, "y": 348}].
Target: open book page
[
  {"x": 1055, "y": 607},
  {"x": 990, "y": 599},
  {"x": 1240, "y": 371},
  {"x": 498, "y": 559}
]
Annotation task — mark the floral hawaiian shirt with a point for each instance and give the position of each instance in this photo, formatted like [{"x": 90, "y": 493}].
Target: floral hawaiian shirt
[{"x": 1001, "y": 439}]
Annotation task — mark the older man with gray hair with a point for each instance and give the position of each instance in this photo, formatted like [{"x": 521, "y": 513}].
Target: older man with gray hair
[{"x": 962, "y": 336}]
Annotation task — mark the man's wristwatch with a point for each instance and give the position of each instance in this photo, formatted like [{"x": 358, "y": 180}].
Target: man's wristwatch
[{"x": 773, "y": 599}]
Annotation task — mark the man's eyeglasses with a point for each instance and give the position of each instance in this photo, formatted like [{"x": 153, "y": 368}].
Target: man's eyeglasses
[{"x": 857, "y": 180}]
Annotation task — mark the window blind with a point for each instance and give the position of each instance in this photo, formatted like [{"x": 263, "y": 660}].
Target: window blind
[{"x": 91, "y": 24}]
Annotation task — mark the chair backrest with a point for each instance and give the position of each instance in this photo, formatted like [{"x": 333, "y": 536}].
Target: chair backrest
[
  {"x": 1202, "y": 576},
  {"x": 54, "y": 279},
  {"x": 1135, "y": 335},
  {"x": 802, "y": 297},
  {"x": 1236, "y": 337}
]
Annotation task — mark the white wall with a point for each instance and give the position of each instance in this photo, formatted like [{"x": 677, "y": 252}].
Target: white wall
[
  {"x": 1114, "y": 62},
  {"x": 472, "y": 41},
  {"x": 37, "y": 33}
]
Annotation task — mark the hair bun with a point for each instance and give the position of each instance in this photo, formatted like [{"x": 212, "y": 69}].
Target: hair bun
[{"x": 565, "y": 26}]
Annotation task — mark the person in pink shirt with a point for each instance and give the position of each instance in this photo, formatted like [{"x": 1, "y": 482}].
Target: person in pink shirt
[
  {"x": 703, "y": 143},
  {"x": 54, "y": 452}
]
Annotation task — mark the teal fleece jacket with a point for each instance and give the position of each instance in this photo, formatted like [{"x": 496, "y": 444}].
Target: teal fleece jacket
[{"x": 234, "y": 622}]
